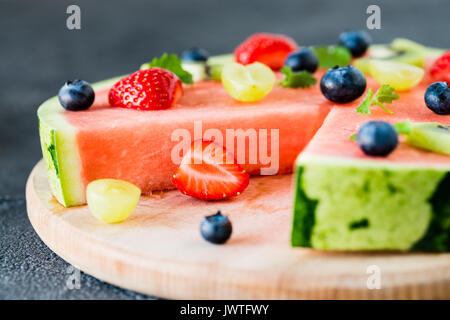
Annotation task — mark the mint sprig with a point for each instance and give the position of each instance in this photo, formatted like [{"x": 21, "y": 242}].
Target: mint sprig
[
  {"x": 172, "y": 63},
  {"x": 331, "y": 56},
  {"x": 384, "y": 95},
  {"x": 297, "y": 79}
]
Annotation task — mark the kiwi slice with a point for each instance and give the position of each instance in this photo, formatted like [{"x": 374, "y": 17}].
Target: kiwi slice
[
  {"x": 215, "y": 63},
  {"x": 431, "y": 136},
  {"x": 400, "y": 50}
]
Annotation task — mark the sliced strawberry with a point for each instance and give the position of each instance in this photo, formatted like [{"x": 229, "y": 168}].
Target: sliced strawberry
[
  {"x": 441, "y": 68},
  {"x": 270, "y": 49},
  {"x": 149, "y": 89},
  {"x": 209, "y": 172}
]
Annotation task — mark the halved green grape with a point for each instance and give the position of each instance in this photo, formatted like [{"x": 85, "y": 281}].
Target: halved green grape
[
  {"x": 400, "y": 50},
  {"x": 400, "y": 76},
  {"x": 432, "y": 136},
  {"x": 112, "y": 200},
  {"x": 363, "y": 65},
  {"x": 247, "y": 83}
]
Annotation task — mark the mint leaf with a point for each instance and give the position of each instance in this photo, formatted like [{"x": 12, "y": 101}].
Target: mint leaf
[
  {"x": 386, "y": 94},
  {"x": 299, "y": 79},
  {"x": 403, "y": 127},
  {"x": 331, "y": 56},
  {"x": 171, "y": 63},
  {"x": 353, "y": 137}
]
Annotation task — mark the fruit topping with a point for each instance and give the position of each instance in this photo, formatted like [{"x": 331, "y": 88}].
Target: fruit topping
[
  {"x": 76, "y": 95},
  {"x": 385, "y": 94},
  {"x": 195, "y": 55},
  {"x": 299, "y": 79},
  {"x": 194, "y": 62},
  {"x": 112, "y": 200},
  {"x": 216, "y": 228},
  {"x": 247, "y": 83},
  {"x": 400, "y": 50},
  {"x": 171, "y": 63},
  {"x": 343, "y": 84},
  {"x": 332, "y": 56},
  {"x": 437, "y": 98},
  {"x": 356, "y": 42},
  {"x": 441, "y": 68},
  {"x": 302, "y": 60},
  {"x": 198, "y": 70},
  {"x": 209, "y": 172},
  {"x": 405, "y": 45},
  {"x": 148, "y": 89},
  {"x": 400, "y": 76},
  {"x": 270, "y": 49},
  {"x": 431, "y": 136},
  {"x": 377, "y": 138}
]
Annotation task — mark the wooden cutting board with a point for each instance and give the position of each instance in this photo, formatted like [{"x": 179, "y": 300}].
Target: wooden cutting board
[{"x": 158, "y": 250}]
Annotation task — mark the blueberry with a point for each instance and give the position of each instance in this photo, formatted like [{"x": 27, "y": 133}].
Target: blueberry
[
  {"x": 437, "y": 98},
  {"x": 304, "y": 59},
  {"x": 377, "y": 138},
  {"x": 356, "y": 42},
  {"x": 216, "y": 228},
  {"x": 343, "y": 84},
  {"x": 76, "y": 95},
  {"x": 195, "y": 55}
]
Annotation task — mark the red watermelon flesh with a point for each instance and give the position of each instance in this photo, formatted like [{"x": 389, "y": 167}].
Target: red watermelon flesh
[
  {"x": 333, "y": 138},
  {"x": 136, "y": 146}
]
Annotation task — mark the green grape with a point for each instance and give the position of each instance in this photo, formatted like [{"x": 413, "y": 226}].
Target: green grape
[
  {"x": 112, "y": 200},
  {"x": 247, "y": 83}
]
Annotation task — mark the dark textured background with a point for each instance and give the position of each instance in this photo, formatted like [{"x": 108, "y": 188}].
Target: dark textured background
[{"x": 38, "y": 53}]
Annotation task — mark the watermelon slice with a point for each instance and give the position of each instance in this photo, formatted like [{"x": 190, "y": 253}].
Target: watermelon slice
[{"x": 136, "y": 146}]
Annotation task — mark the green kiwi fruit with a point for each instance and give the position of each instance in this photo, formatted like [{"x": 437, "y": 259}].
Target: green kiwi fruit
[{"x": 400, "y": 50}]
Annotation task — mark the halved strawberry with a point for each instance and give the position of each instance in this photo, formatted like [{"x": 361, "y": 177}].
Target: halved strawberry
[
  {"x": 149, "y": 89},
  {"x": 267, "y": 48},
  {"x": 209, "y": 172},
  {"x": 441, "y": 68}
]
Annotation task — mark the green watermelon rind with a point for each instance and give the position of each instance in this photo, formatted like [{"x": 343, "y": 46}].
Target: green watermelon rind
[
  {"x": 60, "y": 152},
  {"x": 436, "y": 234},
  {"x": 303, "y": 220}
]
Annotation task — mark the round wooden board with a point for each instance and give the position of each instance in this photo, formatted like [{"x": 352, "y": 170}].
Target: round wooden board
[{"x": 158, "y": 250}]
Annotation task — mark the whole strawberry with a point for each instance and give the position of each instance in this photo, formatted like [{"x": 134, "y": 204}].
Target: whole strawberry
[
  {"x": 149, "y": 89},
  {"x": 441, "y": 68},
  {"x": 267, "y": 48}
]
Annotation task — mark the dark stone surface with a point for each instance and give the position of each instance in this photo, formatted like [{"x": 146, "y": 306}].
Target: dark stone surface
[{"x": 38, "y": 53}]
